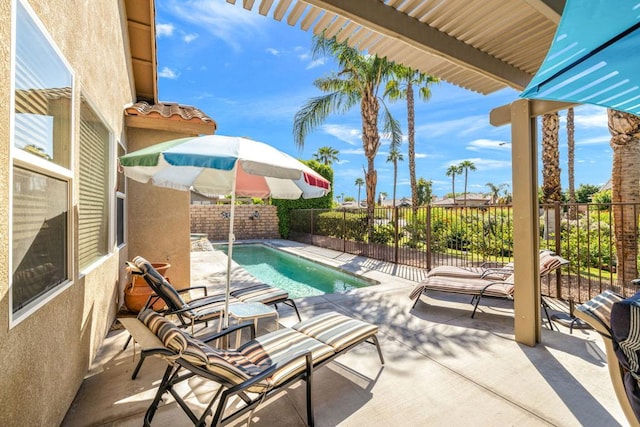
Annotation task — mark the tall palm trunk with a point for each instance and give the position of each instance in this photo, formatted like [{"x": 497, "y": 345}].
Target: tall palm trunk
[
  {"x": 369, "y": 107},
  {"x": 395, "y": 180},
  {"x": 466, "y": 172},
  {"x": 550, "y": 170},
  {"x": 550, "y": 158},
  {"x": 571, "y": 148},
  {"x": 411, "y": 149},
  {"x": 453, "y": 187},
  {"x": 625, "y": 176}
]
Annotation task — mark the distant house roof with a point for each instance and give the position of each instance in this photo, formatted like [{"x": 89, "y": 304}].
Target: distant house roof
[
  {"x": 405, "y": 201},
  {"x": 472, "y": 199},
  {"x": 164, "y": 115}
]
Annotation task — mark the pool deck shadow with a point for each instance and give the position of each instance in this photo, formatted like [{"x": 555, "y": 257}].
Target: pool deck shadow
[{"x": 442, "y": 367}]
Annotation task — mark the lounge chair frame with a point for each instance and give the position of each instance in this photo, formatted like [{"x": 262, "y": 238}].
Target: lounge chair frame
[
  {"x": 174, "y": 374},
  {"x": 153, "y": 279},
  {"x": 485, "y": 288}
]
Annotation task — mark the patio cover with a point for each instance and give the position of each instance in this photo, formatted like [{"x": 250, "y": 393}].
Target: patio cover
[
  {"x": 593, "y": 58},
  {"x": 480, "y": 45}
]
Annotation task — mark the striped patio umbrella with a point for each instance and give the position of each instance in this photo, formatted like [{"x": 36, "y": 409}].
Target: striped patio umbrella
[{"x": 216, "y": 165}]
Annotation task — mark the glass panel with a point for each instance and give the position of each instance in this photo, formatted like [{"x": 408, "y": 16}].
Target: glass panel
[
  {"x": 43, "y": 94},
  {"x": 39, "y": 235},
  {"x": 120, "y": 220},
  {"x": 120, "y": 187},
  {"x": 93, "y": 218}
]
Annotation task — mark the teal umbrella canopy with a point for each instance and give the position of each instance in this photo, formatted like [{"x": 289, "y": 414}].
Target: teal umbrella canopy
[{"x": 594, "y": 57}]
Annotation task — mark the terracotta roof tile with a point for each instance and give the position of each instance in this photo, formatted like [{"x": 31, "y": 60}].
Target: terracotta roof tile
[{"x": 170, "y": 110}]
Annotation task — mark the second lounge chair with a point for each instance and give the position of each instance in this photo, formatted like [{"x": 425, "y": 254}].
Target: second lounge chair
[{"x": 479, "y": 287}]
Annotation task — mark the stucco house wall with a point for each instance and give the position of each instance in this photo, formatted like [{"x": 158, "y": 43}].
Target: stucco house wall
[
  {"x": 159, "y": 217},
  {"x": 46, "y": 356}
]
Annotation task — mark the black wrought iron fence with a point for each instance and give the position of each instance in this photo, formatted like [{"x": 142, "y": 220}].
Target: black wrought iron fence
[{"x": 475, "y": 235}]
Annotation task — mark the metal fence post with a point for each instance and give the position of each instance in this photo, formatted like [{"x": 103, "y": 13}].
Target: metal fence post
[
  {"x": 395, "y": 226},
  {"x": 428, "y": 236},
  {"x": 344, "y": 230},
  {"x": 558, "y": 248}
]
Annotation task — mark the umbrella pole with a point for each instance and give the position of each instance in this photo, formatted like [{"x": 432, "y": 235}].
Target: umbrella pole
[{"x": 225, "y": 323}]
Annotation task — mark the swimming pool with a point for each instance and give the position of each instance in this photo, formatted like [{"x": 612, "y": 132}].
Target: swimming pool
[{"x": 298, "y": 276}]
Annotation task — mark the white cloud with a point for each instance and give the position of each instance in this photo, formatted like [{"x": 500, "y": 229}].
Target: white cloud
[
  {"x": 188, "y": 38},
  {"x": 488, "y": 144},
  {"x": 272, "y": 51},
  {"x": 168, "y": 73},
  {"x": 343, "y": 133},
  {"x": 603, "y": 139},
  {"x": 315, "y": 63},
  {"x": 482, "y": 164},
  {"x": 422, "y": 155},
  {"x": 164, "y": 30},
  {"x": 304, "y": 56},
  {"x": 456, "y": 127},
  {"x": 590, "y": 116},
  {"x": 232, "y": 25},
  {"x": 359, "y": 151}
]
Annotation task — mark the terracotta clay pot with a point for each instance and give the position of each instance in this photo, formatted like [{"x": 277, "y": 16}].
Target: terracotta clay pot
[{"x": 137, "y": 292}]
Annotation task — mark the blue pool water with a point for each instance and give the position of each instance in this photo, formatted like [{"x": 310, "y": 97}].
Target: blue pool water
[{"x": 298, "y": 276}]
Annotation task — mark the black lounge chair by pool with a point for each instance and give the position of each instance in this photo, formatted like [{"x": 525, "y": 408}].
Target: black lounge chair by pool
[
  {"x": 203, "y": 309},
  {"x": 255, "y": 370}
]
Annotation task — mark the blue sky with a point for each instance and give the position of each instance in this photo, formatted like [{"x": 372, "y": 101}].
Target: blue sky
[{"x": 251, "y": 74}]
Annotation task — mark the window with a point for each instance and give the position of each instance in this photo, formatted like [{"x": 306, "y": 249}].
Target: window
[
  {"x": 93, "y": 212},
  {"x": 121, "y": 197},
  {"x": 39, "y": 235},
  {"x": 41, "y": 158}
]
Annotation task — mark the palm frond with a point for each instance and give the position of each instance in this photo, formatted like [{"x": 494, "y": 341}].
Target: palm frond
[
  {"x": 391, "y": 129},
  {"x": 314, "y": 112}
]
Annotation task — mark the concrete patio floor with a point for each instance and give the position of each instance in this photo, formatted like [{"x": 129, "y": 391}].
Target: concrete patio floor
[{"x": 442, "y": 367}]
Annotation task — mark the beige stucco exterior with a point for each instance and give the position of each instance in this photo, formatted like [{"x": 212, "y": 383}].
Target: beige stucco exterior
[
  {"x": 158, "y": 226},
  {"x": 45, "y": 357}
]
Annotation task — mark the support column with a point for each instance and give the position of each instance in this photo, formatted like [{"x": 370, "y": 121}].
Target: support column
[{"x": 525, "y": 223}]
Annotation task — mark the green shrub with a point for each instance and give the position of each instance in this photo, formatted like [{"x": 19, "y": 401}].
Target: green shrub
[{"x": 286, "y": 206}]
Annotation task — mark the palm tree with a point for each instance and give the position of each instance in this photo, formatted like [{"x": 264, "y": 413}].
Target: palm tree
[
  {"x": 452, "y": 172},
  {"x": 402, "y": 87},
  {"x": 551, "y": 190},
  {"x": 466, "y": 166},
  {"x": 571, "y": 149},
  {"x": 359, "y": 182},
  {"x": 494, "y": 191},
  {"x": 357, "y": 83},
  {"x": 424, "y": 191},
  {"x": 326, "y": 155},
  {"x": 395, "y": 156},
  {"x": 625, "y": 175}
]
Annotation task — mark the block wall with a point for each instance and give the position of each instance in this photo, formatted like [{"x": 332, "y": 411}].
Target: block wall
[{"x": 251, "y": 221}]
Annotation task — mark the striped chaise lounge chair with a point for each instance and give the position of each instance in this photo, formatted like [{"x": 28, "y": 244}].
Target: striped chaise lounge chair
[
  {"x": 252, "y": 372},
  {"x": 479, "y": 287},
  {"x": 617, "y": 320},
  {"x": 482, "y": 272},
  {"x": 203, "y": 309}
]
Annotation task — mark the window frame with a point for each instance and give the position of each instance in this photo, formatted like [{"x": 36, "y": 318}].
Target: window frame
[
  {"x": 120, "y": 194},
  {"x": 111, "y": 203},
  {"x": 32, "y": 163}
]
